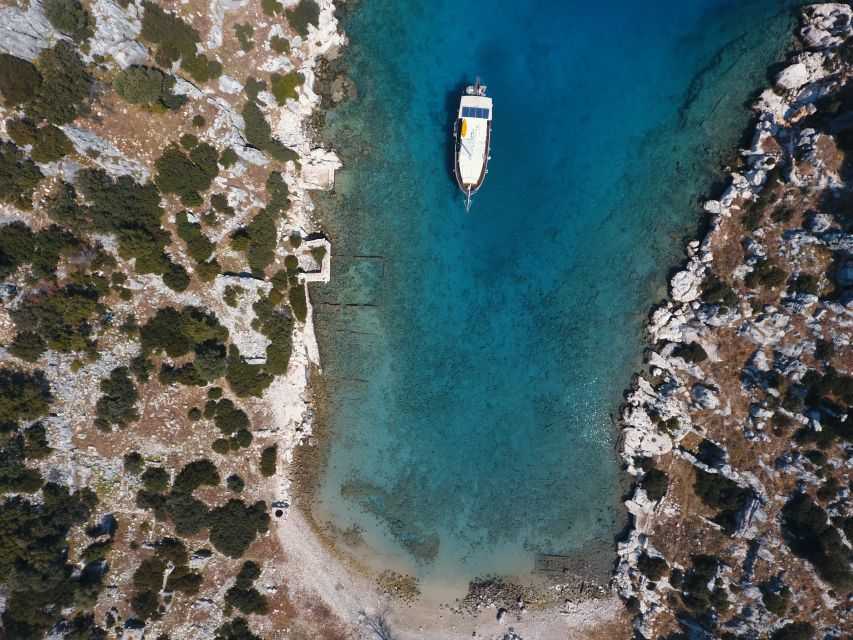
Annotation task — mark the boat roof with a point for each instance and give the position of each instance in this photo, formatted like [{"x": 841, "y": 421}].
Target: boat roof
[{"x": 475, "y": 107}]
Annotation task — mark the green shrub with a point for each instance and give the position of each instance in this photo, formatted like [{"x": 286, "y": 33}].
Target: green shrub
[
  {"x": 18, "y": 176},
  {"x": 244, "y": 33},
  {"x": 304, "y": 14},
  {"x": 691, "y": 352},
  {"x": 229, "y": 419},
  {"x": 195, "y": 474},
  {"x": 177, "y": 41},
  {"x": 284, "y": 87},
  {"x": 233, "y": 526},
  {"x": 69, "y": 17},
  {"x": 23, "y": 396},
  {"x": 183, "y": 580},
  {"x": 199, "y": 246},
  {"x": 176, "y": 277},
  {"x": 130, "y": 211},
  {"x": 28, "y": 346},
  {"x": 271, "y": 7},
  {"x": 187, "y": 175},
  {"x": 17, "y": 247},
  {"x": 278, "y": 44},
  {"x": 133, "y": 462},
  {"x": 19, "y": 80},
  {"x": 61, "y": 318},
  {"x": 210, "y": 360},
  {"x": 235, "y": 483},
  {"x": 654, "y": 568},
  {"x": 766, "y": 273},
  {"x": 141, "y": 85},
  {"x": 118, "y": 404},
  {"x": 51, "y": 144},
  {"x": 247, "y": 601},
  {"x": 279, "y": 194},
  {"x": 236, "y": 629},
  {"x": 179, "y": 332},
  {"x": 243, "y": 378},
  {"x": 724, "y": 495},
  {"x": 655, "y": 482},
  {"x": 155, "y": 479},
  {"x": 268, "y": 461},
  {"x": 36, "y": 445},
  {"x": 810, "y": 535},
  {"x": 298, "y": 302},
  {"x": 795, "y": 631},
  {"x": 258, "y": 130},
  {"x": 65, "y": 84},
  {"x": 228, "y": 158},
  {"x": 22, "y": 131},
  {"x": 806, "y": 283}
]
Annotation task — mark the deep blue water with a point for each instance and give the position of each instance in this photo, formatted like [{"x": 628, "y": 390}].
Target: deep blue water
[{"x": 475, "y": 361}]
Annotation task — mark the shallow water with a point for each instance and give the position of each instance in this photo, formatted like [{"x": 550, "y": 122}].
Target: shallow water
[{"x": 475, "y": 361}]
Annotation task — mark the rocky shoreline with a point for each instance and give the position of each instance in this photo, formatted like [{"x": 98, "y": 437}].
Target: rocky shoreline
[{"x": 764, "y": 299}]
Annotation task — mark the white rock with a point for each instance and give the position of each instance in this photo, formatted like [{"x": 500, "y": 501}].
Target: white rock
[{"x": 793, "y": 77}]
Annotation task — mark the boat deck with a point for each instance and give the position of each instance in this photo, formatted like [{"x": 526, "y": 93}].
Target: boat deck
[{"x": 473, "y": 133}]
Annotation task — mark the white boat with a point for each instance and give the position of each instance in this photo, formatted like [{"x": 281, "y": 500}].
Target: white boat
[{"x": 472, "y": 131}]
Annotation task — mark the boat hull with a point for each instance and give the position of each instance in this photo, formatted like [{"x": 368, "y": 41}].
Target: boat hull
[{"x": 469, "y": 187}]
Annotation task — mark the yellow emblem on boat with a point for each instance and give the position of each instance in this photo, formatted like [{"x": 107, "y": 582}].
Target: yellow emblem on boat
[{"x": 464, "y": 127}]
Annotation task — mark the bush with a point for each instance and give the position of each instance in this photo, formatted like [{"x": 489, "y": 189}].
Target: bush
[
  {"x": 141, "y": 85},
  {"x": 195, "y": 474},
  {"x": 22, "y": 131},
  {"x": 244, "y": 33},
  {"x": 766, "y": 273},
  {"x": 692, "y": 352},
  {"x": 179, "y": 332},
  {"x": 795, "y": 631},
  {"x": 183, "y": 580},
  {"x": 18, "y": 176},
  {"x": 298, "y": 302},
  {"x": 228, "y": 158},
  {"x": 65, "y": 84},
  {"x": 210, "y": 360},
  {"x": 199, "y": 245},
  {"x": 654, "y": 568},
  {"x": 51, "y": 144},
  {"x": 176, "y": 277},
  {"x": 656, "y": 483},
  {"x": 806, "y": 283},
  {"x": 36, "y": 445},
  {"x": 824, "y": 349},
  {"x": 235, "y": 483},
  {"x": 243, "y": 378},
  {"x": 176, "y": 40},
  {"x": 118, "y": 404},
  {"x": 23, "y": 396},
  {"x": 130, "y": 211},
  {"x": 28, "y": 346},
  {"x": 278, "y": 44},
  {"x": 155, "y": 479},
  {"x": 234, "y": 525},
  {"x": 271, "y": 7},
  {"x": 279, "y": 195},
  {"x": 304, "y": 14},
  {"x": 229, "y": 419},
  {"x": 724, "y": 495},
  {"x": 236, "y": 629},
  {"x": 284, "y": 87},
  {"x": 187, "y": 175},
  {"x": 810, "y": 535},
  {"x": 268, "y": 461},
  {"x": 247, "y": 601},
  {"x": 19, "y": 80},
  {"x": 198, "y": 121},
  {"x": 69, "y": 17},
  {"x": 133, "y": 462},
  {"x": 258, "y": 130}
]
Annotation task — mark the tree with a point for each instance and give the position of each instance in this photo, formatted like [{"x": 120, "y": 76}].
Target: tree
[
  {"x": 28, "y": 346},
  {"x": 69, "y": 17},
  {"x": 18, "y": 176},
  {"x": 51, "y": 144},
  {"x": 304, "y": 14},
  {"x": 268, "y": 461},
  {"x": 140, "y": 85},
  {"x": 655, "y": 482},
  {"x": 118, "y": 404},
  {"x": 195, "y": 474},
  {"x": 23, "y": 396},
  {"x": 245, "y": 379},
  {"x": 19, "y": 79},
  {"x": 65, "y": 84},
  {"x": 233, "y": 526}
]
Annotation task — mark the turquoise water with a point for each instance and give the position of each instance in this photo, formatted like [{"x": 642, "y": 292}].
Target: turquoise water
[{"x": 475, "y": 361}]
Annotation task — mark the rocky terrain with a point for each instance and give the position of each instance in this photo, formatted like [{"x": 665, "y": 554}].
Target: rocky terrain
[
  {"x": 157, "y": 236},
  {"x": 739, "y": 432}
]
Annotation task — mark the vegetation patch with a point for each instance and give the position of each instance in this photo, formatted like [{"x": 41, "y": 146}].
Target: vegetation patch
[{"x": 303, "y": 15}]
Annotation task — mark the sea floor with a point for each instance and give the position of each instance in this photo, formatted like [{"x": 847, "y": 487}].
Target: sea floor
[{"x": 474, "y": 362}]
